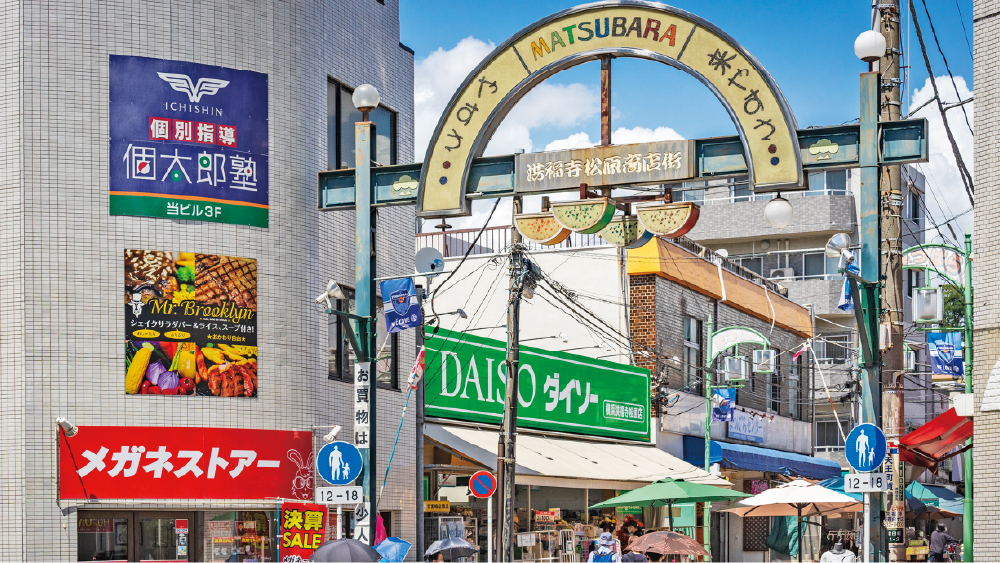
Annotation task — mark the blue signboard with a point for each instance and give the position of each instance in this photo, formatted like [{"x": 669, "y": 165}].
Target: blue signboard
[
  {"x": 746, "y": 426},
  {"x": 401, "y": 306},
  {"x": 723, "y": 411},
  {"x": 339, "y": 463},
  {"x": 865, "y": 448},
  {"x": 946, "y": 353},
  {"x": 188, "y": 141}
]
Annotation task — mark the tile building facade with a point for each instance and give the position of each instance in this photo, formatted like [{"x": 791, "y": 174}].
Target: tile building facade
[{"x": 61, "y": 289}]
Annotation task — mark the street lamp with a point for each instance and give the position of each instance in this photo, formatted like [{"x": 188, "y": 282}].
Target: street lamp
[
  {"x": 366, "y": 98},
  {"x": 778, "y": 213},
  {"x": 870, "y": 46}
]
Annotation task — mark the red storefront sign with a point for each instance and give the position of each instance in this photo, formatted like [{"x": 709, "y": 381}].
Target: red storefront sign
[
  {"x": 129, "y": 462},
  {"x": 302, "y": 528}
]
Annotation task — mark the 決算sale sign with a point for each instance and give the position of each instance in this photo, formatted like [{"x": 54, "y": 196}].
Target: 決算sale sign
[
  {"x": 152, "y": 462},
  {"x": 303, "y": 526}
]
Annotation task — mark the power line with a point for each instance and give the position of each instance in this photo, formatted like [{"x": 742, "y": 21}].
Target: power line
[{"x": 946, "y": 67}]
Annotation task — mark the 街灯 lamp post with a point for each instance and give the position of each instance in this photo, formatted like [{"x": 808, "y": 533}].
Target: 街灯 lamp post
[
  {"x": 728, "y": 338},
  {"x": 365, "y": 99}
]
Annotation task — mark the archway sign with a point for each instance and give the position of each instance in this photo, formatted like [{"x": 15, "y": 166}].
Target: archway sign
[{"x": 621, "y": 28}]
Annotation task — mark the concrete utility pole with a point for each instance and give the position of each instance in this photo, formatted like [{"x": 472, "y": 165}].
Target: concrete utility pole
[
  {"x": 890, "y": 206},
  {"x": 508, "y": 431}
]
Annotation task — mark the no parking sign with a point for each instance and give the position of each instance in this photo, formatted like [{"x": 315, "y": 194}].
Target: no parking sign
[{"x": 483, "y": 484}]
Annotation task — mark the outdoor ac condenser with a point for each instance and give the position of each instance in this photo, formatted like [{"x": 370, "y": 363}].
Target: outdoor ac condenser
[{"x": 782, "y": 273}]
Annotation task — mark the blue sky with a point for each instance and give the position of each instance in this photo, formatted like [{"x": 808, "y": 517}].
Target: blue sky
[{"x": 806, "y": 46}]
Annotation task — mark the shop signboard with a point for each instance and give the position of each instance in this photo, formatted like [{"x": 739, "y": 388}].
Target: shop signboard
[
  {"x": 437, "y": 506},
  {"x": 303, "y": 527},
  {"x": 159, "y": 462},
  {"x": 190, "y": 324},
  {"x": 188, "y": 141},
  {"x": 466, "y": 377},
  {"x": 745, "y": 426},
  {"x": 626, "y": 509}
]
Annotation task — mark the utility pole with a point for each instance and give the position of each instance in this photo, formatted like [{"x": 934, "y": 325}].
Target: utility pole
[
  {"x": 508, "y": 431},
  {"x": 890, "y": 210}
]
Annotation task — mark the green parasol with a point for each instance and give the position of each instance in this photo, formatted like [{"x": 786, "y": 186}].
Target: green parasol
[{"x": 666, "y": 492}]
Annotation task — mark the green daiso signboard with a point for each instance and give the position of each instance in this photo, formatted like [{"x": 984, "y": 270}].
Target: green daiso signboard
[{"x": 466, "y": 380}]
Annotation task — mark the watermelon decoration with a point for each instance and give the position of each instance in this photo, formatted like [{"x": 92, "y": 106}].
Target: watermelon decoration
[
  {"x": 541, "y": 228},
  {"x": 587, "y": 217},
  {"x": 669, "y": 220},
  {"x": 626, "y": 232}
]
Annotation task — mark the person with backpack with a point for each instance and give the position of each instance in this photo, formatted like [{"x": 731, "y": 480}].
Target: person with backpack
[{"x": 605, "y": 550}]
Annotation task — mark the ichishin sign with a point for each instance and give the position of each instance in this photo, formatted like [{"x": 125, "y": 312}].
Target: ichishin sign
[
  {"x": 188, "y": 141},
  {"x": 465, "y": 379},
  {"x": 127, "y": 462}
]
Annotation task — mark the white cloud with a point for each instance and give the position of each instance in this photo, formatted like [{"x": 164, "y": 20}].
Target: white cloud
[
  {"x": 579, "y": 140},
  {"x": 623, "y": 136},
  {"x": 946, "y": 195}
]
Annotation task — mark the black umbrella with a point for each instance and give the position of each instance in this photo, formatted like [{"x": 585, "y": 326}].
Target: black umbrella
[
  {"x": 452, "y": 548},
  {"x": 345, "y": 550}
]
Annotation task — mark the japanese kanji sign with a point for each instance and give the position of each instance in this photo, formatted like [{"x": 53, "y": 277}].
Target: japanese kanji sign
[
  {"x": 188, "y": 141},
  {"x": 131, "y": 462},
  {"x": 190, "y": 324},
  {"x": 643, "y": 163},
  {"x": 465, "y": 380},
  {"x": 303, "y": 526}
]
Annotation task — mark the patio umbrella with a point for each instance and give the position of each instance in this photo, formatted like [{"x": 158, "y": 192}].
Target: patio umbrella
[
  {"x": 393, "y": 549},
  {"x": 668, "y": 543},
  {"x": 452, "y": 548},
  {"x": 345, "y": 550},
  {"x": 666, "y": 492},
  {"x": 798, "y": 498}
]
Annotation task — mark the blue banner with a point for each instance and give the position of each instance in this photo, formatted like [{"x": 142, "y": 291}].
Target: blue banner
[
  {"x": 724, "y": 410},
  {"x": 188, "y": 141},
  {"x": 401, "y": 306},
  {"x": 946, "y": 353},
  {"x": 846, "y": 302}
]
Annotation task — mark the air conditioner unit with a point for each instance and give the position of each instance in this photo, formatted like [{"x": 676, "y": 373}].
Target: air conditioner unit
[
  {"x": 763, "y": 361},
  {"x": 735, "y": 368},
  {"x": 782, "y": 273}
]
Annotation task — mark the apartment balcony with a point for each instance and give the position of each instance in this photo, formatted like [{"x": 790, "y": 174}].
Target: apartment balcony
[
  {"x": 823, "y": 294},
  {"x": 741, "y": 218}
]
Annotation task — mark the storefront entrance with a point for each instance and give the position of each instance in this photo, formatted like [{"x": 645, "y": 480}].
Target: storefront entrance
[{"x": 176, "y": 536}]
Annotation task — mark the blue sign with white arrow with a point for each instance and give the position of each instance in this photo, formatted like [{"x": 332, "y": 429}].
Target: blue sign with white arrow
[
  {"x": 339, "y": 463},
  {"x": 865, "y": 448}
]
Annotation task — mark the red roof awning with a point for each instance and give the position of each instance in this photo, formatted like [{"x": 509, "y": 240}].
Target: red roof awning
[{"x": 928, "y": 445}]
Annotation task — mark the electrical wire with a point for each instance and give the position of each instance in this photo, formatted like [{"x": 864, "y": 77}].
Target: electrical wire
[{"x": 946, "y": 67}]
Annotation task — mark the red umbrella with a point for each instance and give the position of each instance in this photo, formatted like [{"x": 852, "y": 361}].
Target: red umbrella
[{"x": 668, "y": 543}]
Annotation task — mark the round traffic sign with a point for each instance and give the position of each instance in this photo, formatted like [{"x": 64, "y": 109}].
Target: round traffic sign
[
  {"x": 865, "y": 448},
  {"x": 339, "y": 463},
  {"x": 483, "y": 484}
]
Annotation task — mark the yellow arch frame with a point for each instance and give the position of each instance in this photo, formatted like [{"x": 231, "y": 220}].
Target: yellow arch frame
[{"x": 623, "y": 28}]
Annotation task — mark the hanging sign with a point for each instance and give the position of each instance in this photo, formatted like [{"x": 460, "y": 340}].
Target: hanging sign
[
  {"x": 939, "y": 259},
  {"x": 465, "y": 380},
  {"x": 188, "y": 141},
  {"x": 946, "y": 353},
  {"x": 303, "y": 527},
  {"x": 746, "y": 426},
  {"x": 400, "y": 304}
]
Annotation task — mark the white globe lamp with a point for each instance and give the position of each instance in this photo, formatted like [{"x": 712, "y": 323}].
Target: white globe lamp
[
  {"x": 870, "y": 46},
  {"x": 365, "y": 98},
  {"x": 778, "y": 213}
]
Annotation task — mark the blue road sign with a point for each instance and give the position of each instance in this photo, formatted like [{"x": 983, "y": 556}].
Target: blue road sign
[
  {"x": 865, "y": 448},
  {"x": 483, "y": 484},
  {"x": 339, "y": 463}
]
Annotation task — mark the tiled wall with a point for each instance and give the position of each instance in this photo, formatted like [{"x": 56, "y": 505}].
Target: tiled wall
[{"x": 61, "y": 330}]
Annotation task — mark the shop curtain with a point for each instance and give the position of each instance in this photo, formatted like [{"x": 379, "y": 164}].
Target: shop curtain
[{"x": 784, "y": 536}]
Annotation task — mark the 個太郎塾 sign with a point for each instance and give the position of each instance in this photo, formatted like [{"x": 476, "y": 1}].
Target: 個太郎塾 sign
[
  {"x": 466, "y": 379},
  {"x": 188, "y": 141}
]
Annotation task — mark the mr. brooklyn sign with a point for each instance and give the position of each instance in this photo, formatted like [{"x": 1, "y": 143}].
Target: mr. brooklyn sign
[{"x": 466, "y": 380}]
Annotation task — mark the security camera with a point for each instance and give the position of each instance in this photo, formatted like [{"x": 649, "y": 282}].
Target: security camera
[
  {"x": 67, "y": 427},
  {"x": 332, "y": 435}
]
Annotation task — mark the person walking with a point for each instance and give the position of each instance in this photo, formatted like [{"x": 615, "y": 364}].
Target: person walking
[
  {"x": 939, "y": 540},
  {"x": 605, "y": 550}
]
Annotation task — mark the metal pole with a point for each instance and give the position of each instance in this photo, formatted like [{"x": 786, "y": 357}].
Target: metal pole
[
  {"x": 508, "y": 432},
  {"x": 967, "y": 530},
  {"x": 364, "y": 295},
  {"x": 419, "y": 438},
  {"x": 866, "y": 554},
  {"x": 605, "y": 100},
  {"x": 707, "y": 379},
  {"x": 489, "y": 529},
  {"x": 340, "y": 522},
  {"x": 894, "y": 361}
]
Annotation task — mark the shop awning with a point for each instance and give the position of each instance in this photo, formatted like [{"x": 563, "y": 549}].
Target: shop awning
[
  {"x": 931, "y": 443},
  {"x": 559, "y": 462},
  {"x": 937, "y": 496},
  {"x": 752, "y": 458}
]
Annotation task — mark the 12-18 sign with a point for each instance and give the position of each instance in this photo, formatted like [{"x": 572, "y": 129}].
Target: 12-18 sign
[{"x": 865, "y": 482}]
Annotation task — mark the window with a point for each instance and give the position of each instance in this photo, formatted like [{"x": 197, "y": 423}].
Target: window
[
  {"x": 828, "y": 182},
  {"x": 814, "y": 265},
  {"x": 693, "y": 191},
  {"x": 912, "y": 281},
  {"x": 915, "y": 207},
  {"x": 828, "y": 434},
  {"x": 755, "y": 265},
  {"x": 341, "y": 115},
  {"x": 774, "y": 387},
  {"x": 741, "y": 192},
  {"x": 834, "y": 348},
  {"x": 341, "y": 354},
  {"x": 795, "y": 372},
  {"x": 692, "y": 354}
]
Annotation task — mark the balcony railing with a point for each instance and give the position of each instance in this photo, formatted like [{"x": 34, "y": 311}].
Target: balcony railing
[{"x": 756, "y": 197}]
